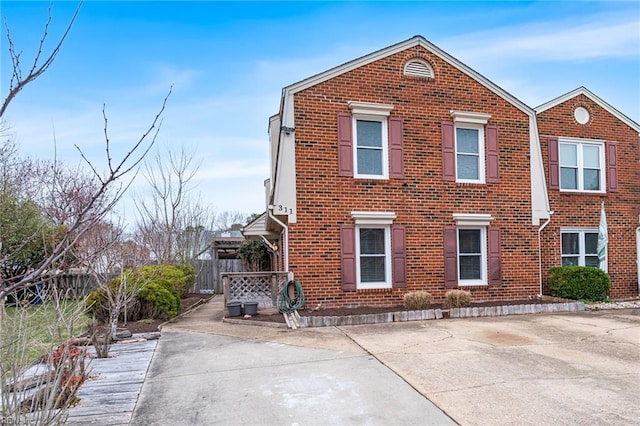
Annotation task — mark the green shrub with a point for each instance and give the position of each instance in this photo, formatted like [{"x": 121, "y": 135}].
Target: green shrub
[
  {"x": 579, "y": 283},
  {"x": 157, "y": 290},
  {"x": 158, "y": 301},
  {"x": 190, "y": 278},
  {"x": 417, "y": 300},
  {"x": 457, "y": 298},
  {"x": 97, "y": 306}
]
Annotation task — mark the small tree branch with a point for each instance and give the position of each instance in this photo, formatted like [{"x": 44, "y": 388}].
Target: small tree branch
[{"x": 17, "y": 82}]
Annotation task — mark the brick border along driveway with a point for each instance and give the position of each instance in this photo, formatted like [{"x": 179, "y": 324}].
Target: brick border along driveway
[{"x": 579, "y": 368}]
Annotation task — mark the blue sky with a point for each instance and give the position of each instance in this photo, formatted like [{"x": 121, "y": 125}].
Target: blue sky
[{"x": 228, "y": 62}]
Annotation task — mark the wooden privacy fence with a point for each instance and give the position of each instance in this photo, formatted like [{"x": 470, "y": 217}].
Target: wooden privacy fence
[
  {"x": 208, "y": 278},
  {"x": 74, "y": 285},
  {"x": 261, "y": 287}
]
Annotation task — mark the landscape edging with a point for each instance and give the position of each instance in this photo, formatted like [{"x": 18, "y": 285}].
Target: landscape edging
[{"x": 422, "y": 315}]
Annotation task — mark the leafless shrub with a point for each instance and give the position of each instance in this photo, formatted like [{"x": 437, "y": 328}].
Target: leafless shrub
[
  {"x": 457, "y": 298},
  {"x": 417, "y": 300}
]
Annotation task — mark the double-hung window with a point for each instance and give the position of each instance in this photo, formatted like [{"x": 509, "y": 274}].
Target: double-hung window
[
  {"x": 373, "y": 256},
  {"x": 370, "y": 136},
  {"x": 581, "y": 166},
  {"x": 472, "y": 255},
  {"x": 472, "y": 251},
  {"x": 579, "y": 247},
  {"x": 370, "y": 139},
  {"x": 469, "y": 153},
  {"x": 370, "y": 142},
  {"x": 372, "y": 252}
]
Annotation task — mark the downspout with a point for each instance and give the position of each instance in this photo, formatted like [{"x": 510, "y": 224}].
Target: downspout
[
  {"x": 544, "y": 225},
  {"x": 286, "y": 238}
]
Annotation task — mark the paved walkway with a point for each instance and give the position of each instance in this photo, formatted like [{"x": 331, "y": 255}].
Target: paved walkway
[
  {"x": 207, "y": 372},
  {"x": 110, "y": 394}
]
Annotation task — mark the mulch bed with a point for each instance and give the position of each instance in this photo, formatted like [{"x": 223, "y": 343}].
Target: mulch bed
[
  {"x": 192, "y": 299},
  {"x": 362, "y": 310},
  {"x": 151, "y": 325}
]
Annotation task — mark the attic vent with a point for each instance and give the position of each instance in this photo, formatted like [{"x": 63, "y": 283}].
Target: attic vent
[{"x": 418, "y": 68}]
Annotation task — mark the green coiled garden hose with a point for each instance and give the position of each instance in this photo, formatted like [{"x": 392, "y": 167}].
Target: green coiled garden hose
[{"x": 287, "y": 304}]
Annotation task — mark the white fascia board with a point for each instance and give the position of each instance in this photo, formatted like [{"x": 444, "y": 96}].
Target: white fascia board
[
  {"x": 586, "y": 92},
  {"x": 283, "y": 195},
  {"x": 274, "y": 137},
  {"x": 283, "y": 201},
  {"x": 539, "y": 194}
]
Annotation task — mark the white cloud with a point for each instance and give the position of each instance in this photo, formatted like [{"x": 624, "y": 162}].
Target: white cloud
[{"x": 552, "y": 41}]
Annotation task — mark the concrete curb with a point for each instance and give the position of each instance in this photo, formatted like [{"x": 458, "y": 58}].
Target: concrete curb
[
  {"x": 421, "y": 315},
  {"x": 538, "y": 308}
]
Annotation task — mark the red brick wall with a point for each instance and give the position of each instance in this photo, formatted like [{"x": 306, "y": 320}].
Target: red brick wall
[
  {"x": 422, "y": 201},
  {"x": 583, "y": 210}
]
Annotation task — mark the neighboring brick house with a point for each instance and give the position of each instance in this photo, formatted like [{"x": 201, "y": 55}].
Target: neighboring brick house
[
  {"x": 406, "y": 170},
  {"x": 591, "y": 153}
]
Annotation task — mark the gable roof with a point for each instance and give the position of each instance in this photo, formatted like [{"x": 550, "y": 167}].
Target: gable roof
[
  {"x": 283, "y": 189},
  {"x": 586, "y": 92},
  {"x": 398, "y": 47}
]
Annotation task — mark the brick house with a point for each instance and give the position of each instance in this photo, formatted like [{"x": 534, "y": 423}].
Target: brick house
[
  {"x": 407, "y": 170},
  {"x": 591, "y": 155}
]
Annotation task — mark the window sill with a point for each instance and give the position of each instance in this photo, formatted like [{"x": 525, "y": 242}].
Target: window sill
[
  {"x": 575, "y": 191},
  {"x": 374, "y": 290}
]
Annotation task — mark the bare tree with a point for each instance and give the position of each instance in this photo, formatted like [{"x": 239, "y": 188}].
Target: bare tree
[
  {"x": 172, "y": 223},
  {"x": 78, "y": 210},
  {"x": 228, "y": 220},
  {"x": 110, "y": 187},
  {"x": 41, "y": 61}
]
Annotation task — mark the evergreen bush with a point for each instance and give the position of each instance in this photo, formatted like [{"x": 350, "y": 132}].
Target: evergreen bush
[
  {"x": 579, "y": 283},
  {"x": 158, "y": 289}
]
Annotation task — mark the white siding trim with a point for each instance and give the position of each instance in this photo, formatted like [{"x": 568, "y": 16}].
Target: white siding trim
[
  {"x": 472, "y": 219},
  {"x": 469, "y": 117},
  {"x": 373, "y": 218}
]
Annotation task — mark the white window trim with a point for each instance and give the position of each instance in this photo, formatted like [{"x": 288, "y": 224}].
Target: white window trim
[
  {"x": 469, "y": 117},
  {"x": 483, "y": 257},
  {"x": 374, "y": 220},
  {"x": 473, "y": 219},
  {"x": 581, "y": 245},
  {"x": 387, "y": 259},
  {"x": 371, "y": 112},
  {"x": 385, "y": 146},
  {"x": 481, "y": 156},
  {"x": 368, "y": 108},
  {"x": 603, "y": 172}
]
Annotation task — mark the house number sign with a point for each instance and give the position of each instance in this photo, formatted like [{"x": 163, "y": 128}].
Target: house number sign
[{"x": 279, "y": 208}]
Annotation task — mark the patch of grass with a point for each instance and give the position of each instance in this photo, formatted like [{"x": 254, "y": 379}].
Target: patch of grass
[{"x": 30, "y": 332}]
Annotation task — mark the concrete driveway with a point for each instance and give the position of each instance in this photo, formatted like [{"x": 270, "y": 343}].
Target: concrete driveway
[
  {"x": 566, "y": 369},
  {"x": 532, "y": 369}
]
